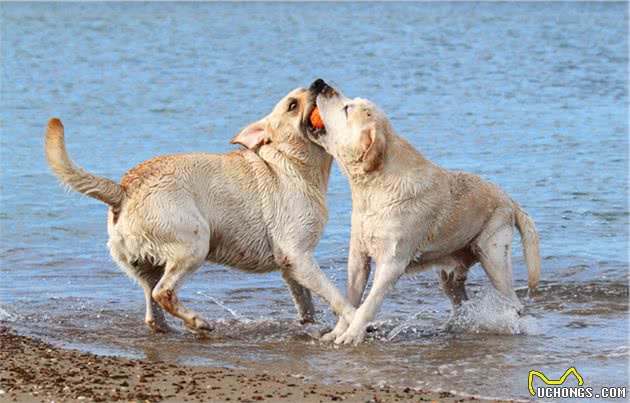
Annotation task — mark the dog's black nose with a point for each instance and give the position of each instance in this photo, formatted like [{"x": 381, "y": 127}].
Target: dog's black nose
[{"x": 318, "y": 85}]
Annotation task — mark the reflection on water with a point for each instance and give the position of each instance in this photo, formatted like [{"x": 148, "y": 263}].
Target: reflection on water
[{"x": 530, "y": 96}]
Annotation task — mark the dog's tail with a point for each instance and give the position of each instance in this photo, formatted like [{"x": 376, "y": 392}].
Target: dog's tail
[
  {"x": 530, "y": 243},
  {"x": 75, "y": 177}
]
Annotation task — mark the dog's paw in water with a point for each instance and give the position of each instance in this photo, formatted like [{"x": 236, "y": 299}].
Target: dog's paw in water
[
  {"x": 341, "y": 327},
  {"x": 351, "y": 337},
  {"x": 199, "y": 326},
  {"x": 452, "y": 325},
  {"x": 332, "y": 335},
  {"x": 158, "y": 326}
]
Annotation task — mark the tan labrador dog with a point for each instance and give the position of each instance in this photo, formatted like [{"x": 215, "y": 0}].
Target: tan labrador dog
[
  {"x": 409, "y": 214},
  {"x": 257, "y": 209}
]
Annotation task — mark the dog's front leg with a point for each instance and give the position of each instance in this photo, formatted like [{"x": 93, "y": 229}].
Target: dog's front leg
[
  {"x": 358, "y": 273},
  {"x": 301, "y": 298},
  {"x": 386, "y": 276},
  {"x": 305, "y": 270}
]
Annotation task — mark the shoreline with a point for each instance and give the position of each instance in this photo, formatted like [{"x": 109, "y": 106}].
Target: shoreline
[{"x": 35, "y": 371}]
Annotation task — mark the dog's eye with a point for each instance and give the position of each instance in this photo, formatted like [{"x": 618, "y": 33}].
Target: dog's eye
[
  {"x": 345, "y": 109},
  {"x": 292, "y": 106}
]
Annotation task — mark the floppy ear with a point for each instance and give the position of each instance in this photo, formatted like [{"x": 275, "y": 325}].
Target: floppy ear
[
  {"x": 254, "y": 135},
  {"x": 373, "y": 147}
]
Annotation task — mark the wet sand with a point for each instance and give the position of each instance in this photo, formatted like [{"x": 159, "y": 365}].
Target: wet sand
[{"x": 35, "y": 371}]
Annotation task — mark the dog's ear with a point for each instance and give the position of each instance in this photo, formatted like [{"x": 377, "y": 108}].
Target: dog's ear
[
  {"x": 373, "y": 148},
  {"x": 254, "y": 135}
]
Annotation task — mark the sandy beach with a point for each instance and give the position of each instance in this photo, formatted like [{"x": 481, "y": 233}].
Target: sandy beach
[{"x": 35, "y": 371}]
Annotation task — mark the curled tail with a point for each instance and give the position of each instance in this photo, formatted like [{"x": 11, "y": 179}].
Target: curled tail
[
  {"x": 103, "y": 189},
  {"x": 530, "y": 243}
]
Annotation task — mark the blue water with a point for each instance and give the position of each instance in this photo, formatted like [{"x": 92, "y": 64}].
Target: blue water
[{"x": 532, "y": 96}]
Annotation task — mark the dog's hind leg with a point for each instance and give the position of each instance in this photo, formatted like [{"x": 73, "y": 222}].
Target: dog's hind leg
[
  {"x": 175, "y": 272},
  {"x": 301, "y": 298},
  {"x": 452, "y": 272},
  {"x": 452, "y": 283},
  {"x": 148, "y": 276},
  {"x": 495, "y": 254}
]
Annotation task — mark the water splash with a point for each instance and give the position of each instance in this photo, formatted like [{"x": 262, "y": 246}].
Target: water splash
[
  {"x": 232, "y": 312},
  {"x": 403, "y": 327},
  {"x": 489, "y": 312},
  {"x": 6, "y": 316}
]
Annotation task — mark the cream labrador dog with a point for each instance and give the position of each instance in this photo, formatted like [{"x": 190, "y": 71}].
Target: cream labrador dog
[
  {"x": 258, "y": 209},
  {"x": 409, "y": 214}
]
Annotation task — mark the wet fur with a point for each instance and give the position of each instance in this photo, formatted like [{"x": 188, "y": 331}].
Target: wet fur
[
  {"x": 410, "y": 214},
  {"x": 258, "y": 210}
]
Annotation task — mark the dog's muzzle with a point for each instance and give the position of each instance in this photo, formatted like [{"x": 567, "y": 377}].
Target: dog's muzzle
[
  {"x": 315, "y": 89},
  {"x": 319, "y": 86}
]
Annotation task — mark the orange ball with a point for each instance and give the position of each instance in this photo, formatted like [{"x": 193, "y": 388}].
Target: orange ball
[{"x": 316, "y": 119}]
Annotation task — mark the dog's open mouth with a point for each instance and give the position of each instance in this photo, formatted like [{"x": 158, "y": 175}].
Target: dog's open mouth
[{"x": 314, "y": 125}]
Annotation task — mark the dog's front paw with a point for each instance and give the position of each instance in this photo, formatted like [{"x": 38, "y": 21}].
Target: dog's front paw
[
  {"x": 351, "y": 336},
  {"x": 341, "y": 327},
  {"x": 332, "y": 335}
]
